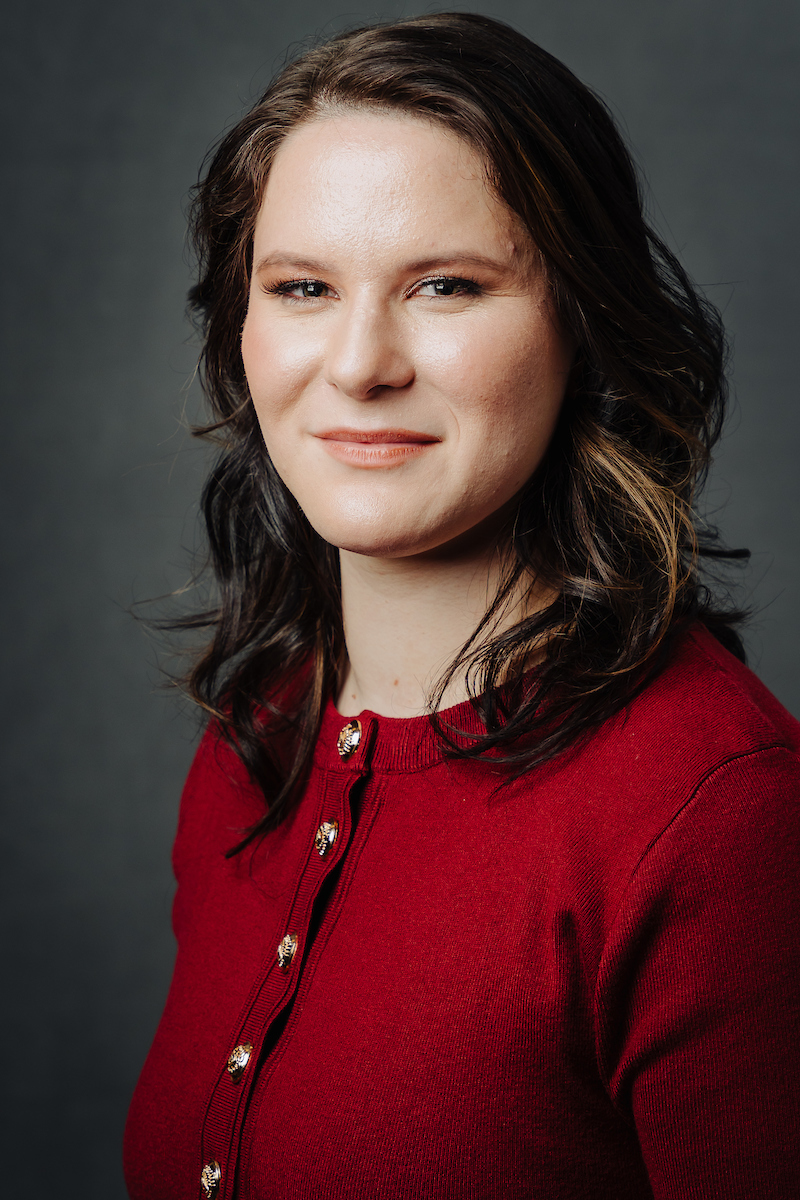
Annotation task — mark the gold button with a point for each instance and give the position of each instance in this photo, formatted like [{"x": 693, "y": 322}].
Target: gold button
[
  {"x": 210, "y": 1177},
  {"x": 348, "y": 739},
  {"x": 286, "y": 951},
  {"x": 326, "y": 836},
  {"x": 240, "y": 1057}
]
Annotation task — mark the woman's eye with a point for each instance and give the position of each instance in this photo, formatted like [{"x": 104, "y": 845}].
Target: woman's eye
[
  {"x": 311, "y": 289},
  {"x": 301, "y": 289},
  {"x": 446, "y": 285}
]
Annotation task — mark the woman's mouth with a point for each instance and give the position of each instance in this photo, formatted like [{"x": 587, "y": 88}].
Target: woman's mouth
[{"x": 376, "y": 447}]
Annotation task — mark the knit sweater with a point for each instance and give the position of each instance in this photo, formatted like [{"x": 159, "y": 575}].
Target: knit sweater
[{"x": 429, "y": 982}]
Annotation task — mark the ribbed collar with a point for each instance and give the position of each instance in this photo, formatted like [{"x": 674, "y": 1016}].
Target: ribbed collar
[{"x": 391, "y": 743}]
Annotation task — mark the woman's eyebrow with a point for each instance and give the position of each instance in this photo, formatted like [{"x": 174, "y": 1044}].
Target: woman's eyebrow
[
  {"x": 296, "y": 261},
  {"x": 452, "y": 261},
  {"x": 449, "y": 261}
]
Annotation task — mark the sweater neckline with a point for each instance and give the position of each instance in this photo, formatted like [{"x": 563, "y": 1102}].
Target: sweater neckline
[{"x": 390, "y": 743}]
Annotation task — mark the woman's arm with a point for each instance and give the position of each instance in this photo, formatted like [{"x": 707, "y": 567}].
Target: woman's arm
[{"x": 699, "y": 990}]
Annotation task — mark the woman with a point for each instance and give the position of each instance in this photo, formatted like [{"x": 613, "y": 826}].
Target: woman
[{"x": 487, "y": 861}]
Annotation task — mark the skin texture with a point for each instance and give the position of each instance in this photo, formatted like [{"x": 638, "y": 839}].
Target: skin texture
[{"x": 407, "y": 374}]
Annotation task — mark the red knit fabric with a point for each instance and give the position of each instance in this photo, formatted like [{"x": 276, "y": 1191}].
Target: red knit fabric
[{"x": 585, "y": 984}]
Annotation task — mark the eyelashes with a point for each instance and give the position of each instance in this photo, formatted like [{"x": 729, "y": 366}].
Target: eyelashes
[
  {"x": 450, "y": 285},
  {"x": 312, "y": 289},
  {"x": 444, "y": 286}
]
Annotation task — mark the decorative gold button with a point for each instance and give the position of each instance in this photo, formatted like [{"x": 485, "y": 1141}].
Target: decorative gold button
[
  {"x": 210, "y": 1177},
  {"x": 348, "y": 739},
  {"x": 240, "y": 1057},
  {"x": 326, "y": 836},
  {"x": 287, "y": 950}
]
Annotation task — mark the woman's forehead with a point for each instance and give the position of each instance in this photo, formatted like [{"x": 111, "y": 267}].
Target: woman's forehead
[
  {"x": 352, "y": 175},
  {"x": 385, "y": 129}
]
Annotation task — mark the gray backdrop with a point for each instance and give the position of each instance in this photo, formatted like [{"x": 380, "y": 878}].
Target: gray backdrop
[{"x": 110, "y": 108}]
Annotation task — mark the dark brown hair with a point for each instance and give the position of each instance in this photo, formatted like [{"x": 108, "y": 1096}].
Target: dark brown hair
[{"x": 607, "y": 521}]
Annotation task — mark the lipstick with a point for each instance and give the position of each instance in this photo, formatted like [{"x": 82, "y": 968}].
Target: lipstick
[{"x": 376, "y": 447}]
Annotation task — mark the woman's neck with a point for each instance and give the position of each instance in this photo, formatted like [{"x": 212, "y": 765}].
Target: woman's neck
[{"x": 405, "y": 619}]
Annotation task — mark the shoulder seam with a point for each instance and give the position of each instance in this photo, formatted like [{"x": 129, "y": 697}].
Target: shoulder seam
[
  {"x": 657, "y": 837},
  {"x": 720, "y": 766}
]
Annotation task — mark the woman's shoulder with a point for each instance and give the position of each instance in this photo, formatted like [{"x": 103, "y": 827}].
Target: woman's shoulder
[
  {"x": 705, "y": 708},
  {"x": 219, "y": 799},
  {"x": 704, "y": 736}
]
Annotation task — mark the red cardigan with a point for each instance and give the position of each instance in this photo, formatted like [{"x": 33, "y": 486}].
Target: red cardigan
[{"x": 582, "y": 985}]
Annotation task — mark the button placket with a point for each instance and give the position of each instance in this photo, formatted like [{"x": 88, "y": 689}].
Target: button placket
[
  {"x": 354, "y": 838},
  {"x": 222, "y": 1128}
]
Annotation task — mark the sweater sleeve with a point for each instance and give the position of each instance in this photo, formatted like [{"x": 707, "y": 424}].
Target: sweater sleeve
[{"x": 698, "y": 996}]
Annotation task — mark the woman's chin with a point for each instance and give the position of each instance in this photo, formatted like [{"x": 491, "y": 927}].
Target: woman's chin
[
  {"x": 395, "y": 541},
  {"x": 387, "y": 538},
  {"x": 390, "y": 545},
  {"x": 398, "y": 530}
]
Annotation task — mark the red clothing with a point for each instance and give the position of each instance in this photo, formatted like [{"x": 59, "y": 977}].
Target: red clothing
[{"x": 584, "y": 985}]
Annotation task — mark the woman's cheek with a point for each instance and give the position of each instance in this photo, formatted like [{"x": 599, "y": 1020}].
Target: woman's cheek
[{"x": 277, "y": 369}]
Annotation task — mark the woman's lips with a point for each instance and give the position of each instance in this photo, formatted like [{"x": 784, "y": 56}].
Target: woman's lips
[{"x": 376, "y": 447}]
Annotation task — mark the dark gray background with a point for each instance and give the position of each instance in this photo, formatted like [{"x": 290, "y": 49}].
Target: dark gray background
[{"x": 110, "y": 108}]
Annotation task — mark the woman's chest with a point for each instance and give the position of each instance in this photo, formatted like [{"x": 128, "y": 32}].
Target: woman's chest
[{"x": 400, "y": 982}]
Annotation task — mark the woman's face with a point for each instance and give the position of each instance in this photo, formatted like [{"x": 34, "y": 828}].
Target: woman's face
[{"x": 399, "y": 345}]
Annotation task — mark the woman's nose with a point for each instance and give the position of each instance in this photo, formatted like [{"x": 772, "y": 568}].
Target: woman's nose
[{"x": 366, "y": 352}]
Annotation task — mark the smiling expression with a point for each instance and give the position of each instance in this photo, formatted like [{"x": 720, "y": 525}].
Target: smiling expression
[{"x": 399, "y": 344}]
